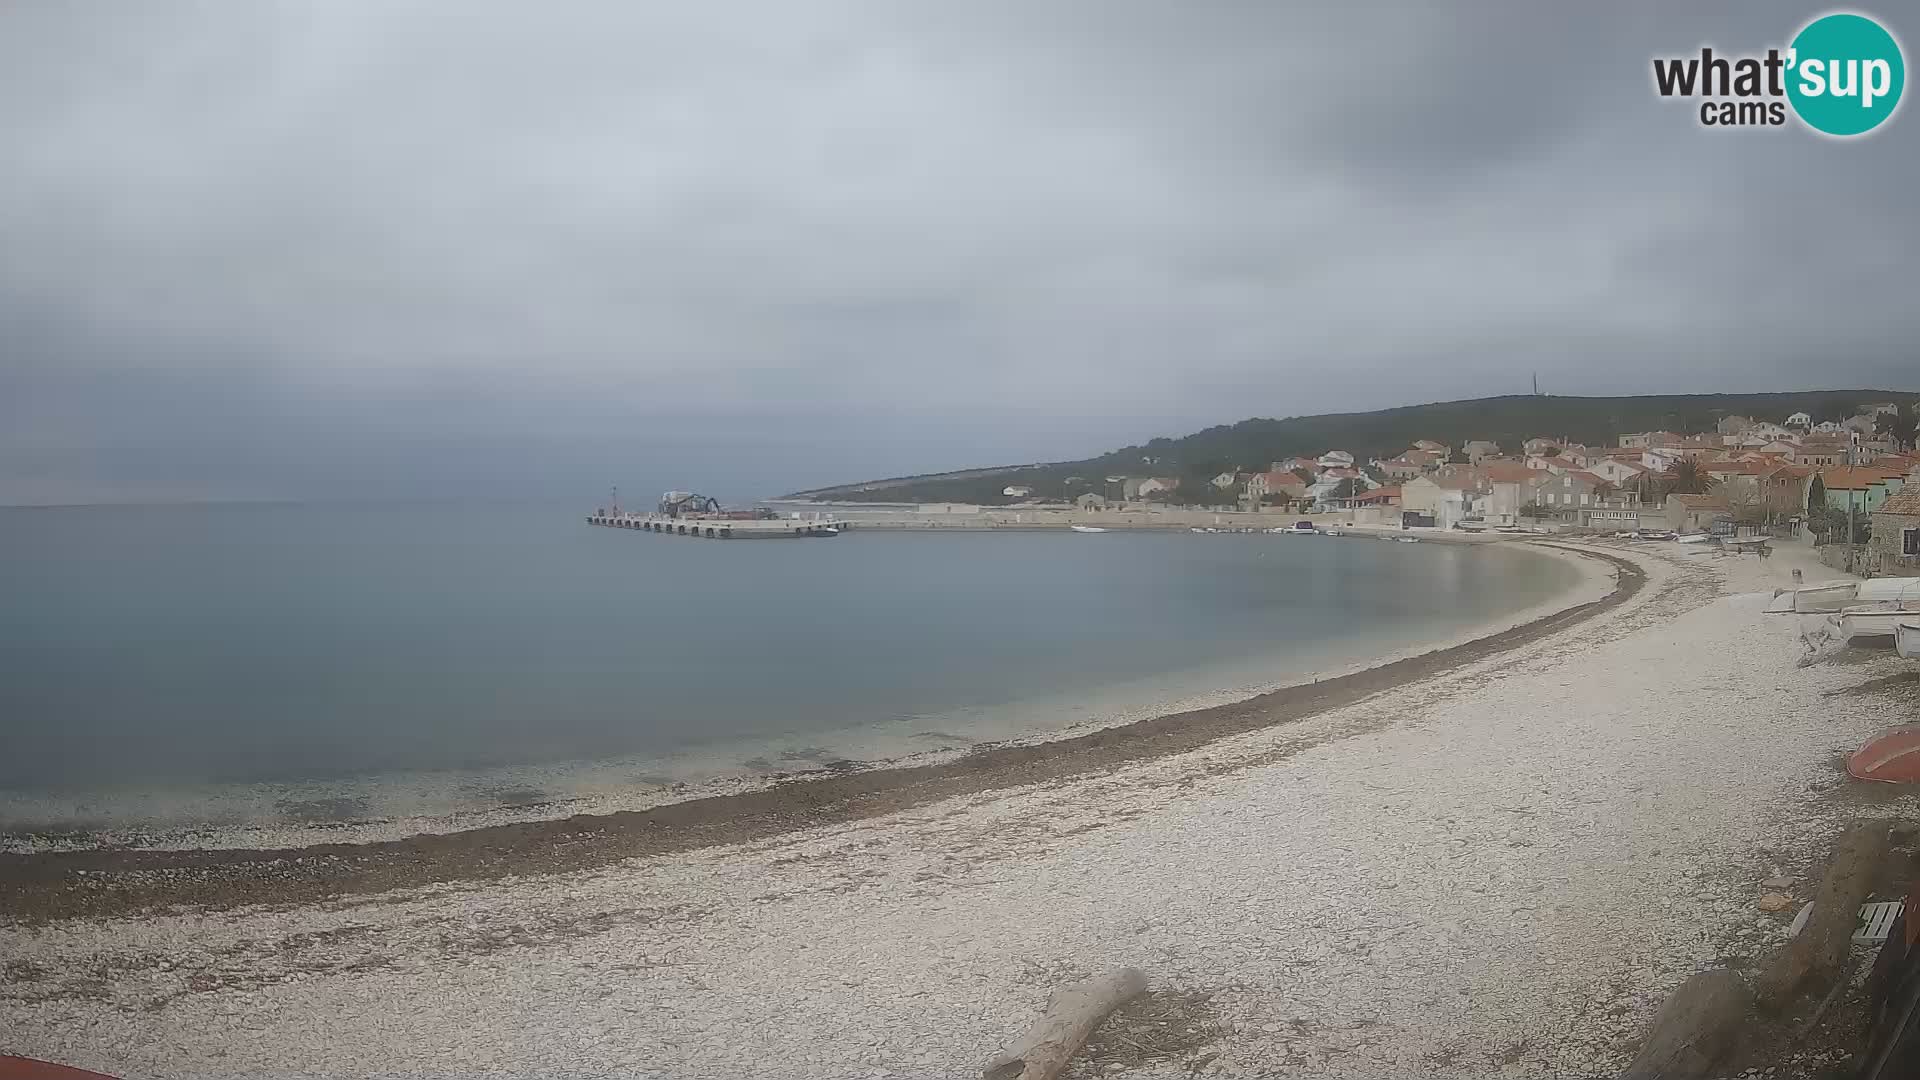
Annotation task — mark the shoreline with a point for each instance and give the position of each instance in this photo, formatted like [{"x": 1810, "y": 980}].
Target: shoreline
[
  {"x": 1501, "y": 869},
  {"x": 45, "y": 886},
  {"x": 408, "y": 804}
]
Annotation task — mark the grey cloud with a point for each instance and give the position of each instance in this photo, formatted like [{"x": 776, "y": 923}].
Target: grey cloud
[{"x": 328, "y": 250}]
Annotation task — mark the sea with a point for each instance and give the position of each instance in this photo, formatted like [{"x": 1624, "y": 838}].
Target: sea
[{"x": 175, "y": 665}]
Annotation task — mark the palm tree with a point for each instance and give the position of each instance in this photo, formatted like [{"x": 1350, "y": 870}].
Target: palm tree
[
  {"x": 1687, "y": 477},
  {"x": 1602, "y": 488}
]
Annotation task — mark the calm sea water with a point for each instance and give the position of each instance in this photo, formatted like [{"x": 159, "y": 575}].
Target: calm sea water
[{"x": 162, "y": 648}]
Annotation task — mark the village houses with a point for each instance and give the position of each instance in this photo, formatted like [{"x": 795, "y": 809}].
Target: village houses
[
  {"x": 1862, "y": 488},
  {"x": 1276, "y": 486},
  {"x": 1448, "y": 495},
  {"x": 1479, "y": 450}
]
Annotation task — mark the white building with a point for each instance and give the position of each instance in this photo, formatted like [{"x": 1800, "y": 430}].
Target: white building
[
  {"x": 1800, "y": 420},
  {"x": 1157, "y": 483},
  {"x": 1618, "y": 472},
  {"x": 1450, "y": 498}
]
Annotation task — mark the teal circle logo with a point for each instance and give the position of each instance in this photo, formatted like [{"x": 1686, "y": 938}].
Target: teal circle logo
[{"x": 1845, "y": 74}]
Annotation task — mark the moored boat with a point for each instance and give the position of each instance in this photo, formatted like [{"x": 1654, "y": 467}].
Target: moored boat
[{"x": 1086, "y": 528}]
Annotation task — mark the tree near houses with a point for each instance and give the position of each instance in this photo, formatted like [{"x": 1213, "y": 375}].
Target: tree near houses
[
  {"x": 1686, "y": 478},
  {"x": 1829, "y": 523},
  {"x": 1535, "y": 511},
  {"x": 1305, "y": 474},
  {"x": 1747, "y": 507},
  {"x": 1603, "y": 489},
  {"x": 1899, "y": 425},
  {"x": 1347, "y": 489}
]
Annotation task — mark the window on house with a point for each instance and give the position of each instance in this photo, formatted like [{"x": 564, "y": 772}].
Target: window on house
[{"x": 1910, "y": 541}]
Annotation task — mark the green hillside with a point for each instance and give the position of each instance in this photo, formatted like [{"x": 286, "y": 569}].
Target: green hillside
[{"x": 1253, "y": 444}]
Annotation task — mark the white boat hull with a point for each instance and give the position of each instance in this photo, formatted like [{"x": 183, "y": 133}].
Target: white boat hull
[
  {"x": 1821, "y": 599},
  {"x": 1861, "y": 624},
  {"x": 1086, "y": 528},
  {"x": 1906, "y": 638},
  {"x": 1900, "y": 592}
]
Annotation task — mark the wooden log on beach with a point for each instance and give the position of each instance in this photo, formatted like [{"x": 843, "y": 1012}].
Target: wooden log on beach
[
  {"x": 1071, "y": 1015},
  {"x": 1814, "y": 958},
  {"x": 1697, "y": 1029}
]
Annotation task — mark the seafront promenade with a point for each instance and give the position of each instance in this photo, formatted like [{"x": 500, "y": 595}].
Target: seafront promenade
[{"x": 960, "y": 516}]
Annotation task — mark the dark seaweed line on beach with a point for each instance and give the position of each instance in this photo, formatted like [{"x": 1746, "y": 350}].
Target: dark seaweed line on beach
[{"x": 49, "y": 886}]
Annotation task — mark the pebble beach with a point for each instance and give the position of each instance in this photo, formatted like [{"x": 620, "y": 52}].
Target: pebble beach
[{"x": 1498, "y": 868}]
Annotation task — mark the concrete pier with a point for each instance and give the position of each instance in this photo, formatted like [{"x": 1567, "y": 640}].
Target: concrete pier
[{"x": 723, "y": 528}]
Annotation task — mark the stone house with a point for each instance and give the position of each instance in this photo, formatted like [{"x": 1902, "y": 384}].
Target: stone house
[
  {"x": 1280, "y": 483},
  {"x": 1574, "y": 495},
  {"x": 1695, "y": 513},
  {"x": 1448, "y": 495},
  {"x": 1894, "y": 547},
  {"x": 1510, "y": 487}
]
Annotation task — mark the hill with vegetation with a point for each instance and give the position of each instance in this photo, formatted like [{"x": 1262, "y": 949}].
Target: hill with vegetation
[{"x": 1251, "y": 445}]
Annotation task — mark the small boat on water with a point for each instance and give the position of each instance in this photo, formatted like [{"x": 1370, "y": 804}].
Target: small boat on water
[
  {"x": 1906, "y": 637},
  {"x": 1086, "y": 528},
  {"x": 1407, "y": 539}
]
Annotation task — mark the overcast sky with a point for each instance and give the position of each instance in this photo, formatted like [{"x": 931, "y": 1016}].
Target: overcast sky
[{"x": 327, "y": 249}]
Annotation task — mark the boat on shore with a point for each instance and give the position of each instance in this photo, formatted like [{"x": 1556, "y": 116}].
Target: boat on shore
[
  {"x": 1828, "y": 597},
  {"x": 1874, "y": 621},
  {"x": 1086, "y": 528},
  {"x": 1906, "y": 637}
]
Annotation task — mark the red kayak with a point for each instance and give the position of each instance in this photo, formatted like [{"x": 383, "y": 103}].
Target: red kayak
[{"x": 19, "y": 1068}]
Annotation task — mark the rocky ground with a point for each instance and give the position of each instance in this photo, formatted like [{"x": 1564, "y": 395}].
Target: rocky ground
[{"x": 1499, "y": 870}]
